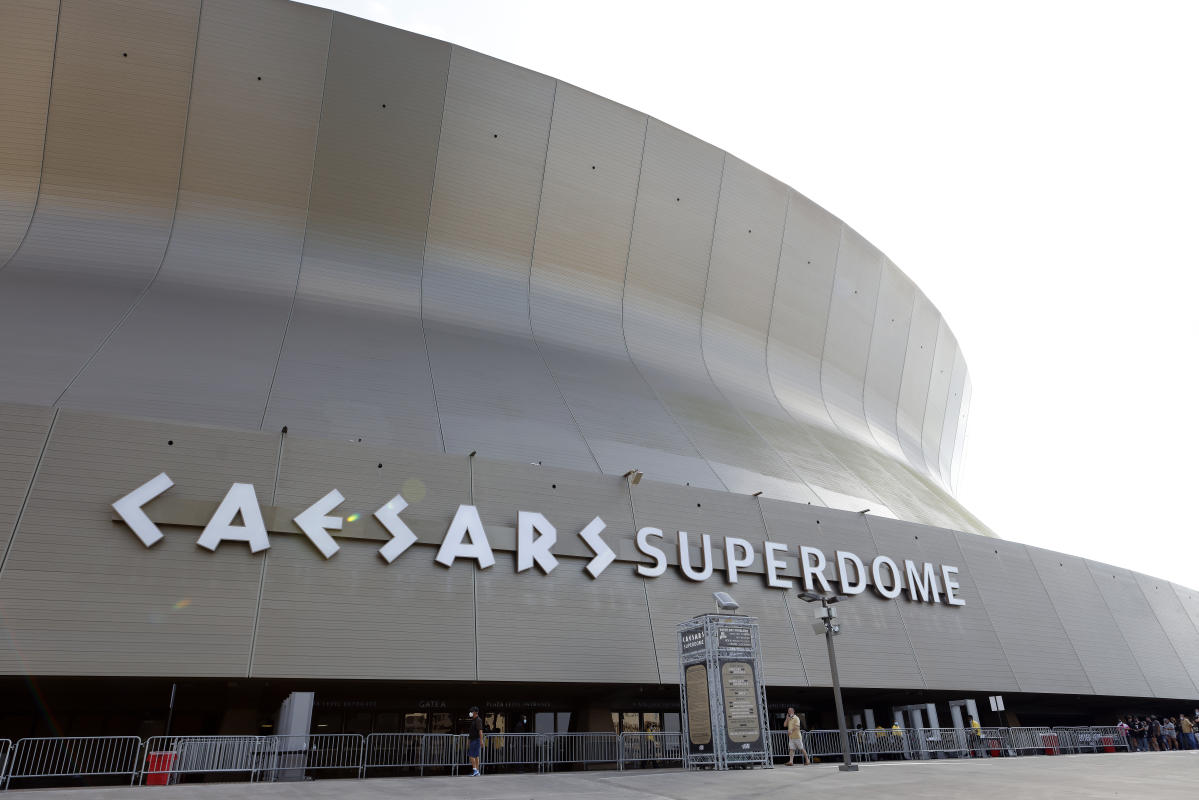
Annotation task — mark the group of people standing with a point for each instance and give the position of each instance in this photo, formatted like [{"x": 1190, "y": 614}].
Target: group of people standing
[{"x": 1161, "y": 733}]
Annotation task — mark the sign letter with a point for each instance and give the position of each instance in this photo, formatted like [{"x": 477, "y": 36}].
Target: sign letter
[
  {"x": 813, "y": 573},
  {"x": 130, "y": 508},
  {"x": 704, "y": 572},
  {"x": 848, "y": 586},
  {"x": 773, "y": 565},
  {"x": 924, "y": 585},
  {"x": 315, "y": 525},
  {"x": 733, "y": 561},
  {"x": 877, "y": 573},
  {"x": 604, "y": 555},
  {"x": 240, "y": 499},
  {"x": 950, "y": 584},
  {"x": 466, "y": 524},
  {"x": 656, "y": 553},
  {"x": 402, "y": 536},
  {"x": 531, "y": 548}
]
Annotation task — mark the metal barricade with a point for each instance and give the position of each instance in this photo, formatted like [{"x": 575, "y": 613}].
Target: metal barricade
[
  {"x": 521, "y": 750},
  {"x": 1092, "y": 739},
  {"x": 582, "y": 748},
  {"x": 170, "y": 758},
  {"x": 414, "y": 751},
  {"x": 650, "y": 749},
  {"x": 297, "y": 756},
  {"x": 1034, "y": 740},
  {"x": 74, "y": 756},
  {"x": 5, "y": 752},
  {"x": 945, "y": 742}
]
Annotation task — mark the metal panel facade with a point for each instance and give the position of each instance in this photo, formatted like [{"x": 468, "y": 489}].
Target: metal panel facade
[
  {"x": 109, "y": 175},
  {"x": 80, "y": 595},
  {"x": 27, "y": 52},
  {"x": 259, "y": 215},
  {"x": 353, "y": 363}
]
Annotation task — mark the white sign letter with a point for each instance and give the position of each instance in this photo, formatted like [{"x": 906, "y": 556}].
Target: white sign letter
[
  {"x": 240, "y": 499},
  {"x": 922, "y": 585},
  {"x": 813, "y": 573},
  {"x": 879, "y": 585},
  {"x": 531, "y": 548},
  {"x": 732, "y": 561},
  {"x": 130, "y": 508},
  {"x": 466, "y": 523},
  {"x": 848, "y": 586},
  {"x": 604, "y": 555},
  {"x": 950, "y": 584},
  {"x": 315, "y": 525},
  {"x": 773, "y": 565},
  {"x": 656, "y": 553},
  {"x": 703, "y": 573},
  {"x": 402, "y": 536}
]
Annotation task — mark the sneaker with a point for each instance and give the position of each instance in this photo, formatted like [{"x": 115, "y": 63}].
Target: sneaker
[{"x": 476, "y": 772}]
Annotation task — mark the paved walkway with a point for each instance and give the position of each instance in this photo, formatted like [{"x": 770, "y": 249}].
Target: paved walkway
[{"x": 1156, "y": 775}]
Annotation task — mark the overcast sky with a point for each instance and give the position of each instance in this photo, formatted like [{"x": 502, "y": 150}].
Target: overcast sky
[{"x": 1033, "y": 166}]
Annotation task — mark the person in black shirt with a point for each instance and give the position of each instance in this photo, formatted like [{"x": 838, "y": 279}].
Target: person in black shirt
[{"x": 475, "y": 741}]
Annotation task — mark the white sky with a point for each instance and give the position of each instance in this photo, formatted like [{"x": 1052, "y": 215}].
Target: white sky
[{"x": 1033, "y": 166}]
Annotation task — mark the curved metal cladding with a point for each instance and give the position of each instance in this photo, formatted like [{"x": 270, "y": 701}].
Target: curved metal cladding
[
  {"x": 263, "y": 214},
  {"x": 225, "y": 219}
]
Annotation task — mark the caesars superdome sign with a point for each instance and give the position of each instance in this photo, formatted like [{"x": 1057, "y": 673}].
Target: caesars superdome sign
[{"x": 465, "y": 538}]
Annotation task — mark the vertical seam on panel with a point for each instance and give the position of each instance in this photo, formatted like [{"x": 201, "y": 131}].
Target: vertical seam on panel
[
  {"x": 941, "y": 451},
  {"x": 41, "y": 174},
  {"x": 899, "y": 612},
  {"x": 474, "y": 571},
  {"x": 166, "y": 245},
  {"x": 904, "y": 369},
  {"x": 649, "y": 611},
  {"x": 12, "y": 539},
  {"x": 424, "y": 253},
  {"x": 1066, "y": 631},
  {"x": 549, "y": 133},
  {"x": 786, "y": 605},
  {"x": 828, "y": 320},
  {"x": 316, "y": 147},
  {"x": 265, "y": 555},
  {"x": 1169, "y": 639},
  {"x": 962, "y": 560},
  {"x": 932, "y": 369},
  {"x": 1131, "y": 652},
  {"x": 878, "y": 294},
  {"x": 800, "y": 424},
  {"x": 624, "y": 287},
  {"x": 1178, "y": 596},
  {"x": 704, "y": 358}
]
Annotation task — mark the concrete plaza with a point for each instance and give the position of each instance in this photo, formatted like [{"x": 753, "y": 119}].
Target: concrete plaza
[{"x": 1158, "y": 775}]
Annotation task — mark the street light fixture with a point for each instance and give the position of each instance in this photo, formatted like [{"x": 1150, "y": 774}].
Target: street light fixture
[{"x": 827, "y": 624}]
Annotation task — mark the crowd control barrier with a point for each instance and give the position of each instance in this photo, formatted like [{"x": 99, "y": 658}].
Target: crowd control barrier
[
  {"x": 162, "y": 760},
  {"x": 75, "y": 756}
]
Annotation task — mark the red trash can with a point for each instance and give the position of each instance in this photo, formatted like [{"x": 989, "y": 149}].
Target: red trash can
[
  {"x": 994, "y": 746},
  {"x": 1049, "y": 740},
  {"x": 1109, "y": 746},
  {"x": 158, "y": 767}
]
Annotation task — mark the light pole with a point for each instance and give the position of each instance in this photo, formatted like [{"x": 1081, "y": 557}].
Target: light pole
[{"x": 828, "y": 625}]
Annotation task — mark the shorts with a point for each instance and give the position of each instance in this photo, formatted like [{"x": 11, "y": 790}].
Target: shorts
[
  {"x": 795, "y": 744},
  {"x": 475, "y": 749}
]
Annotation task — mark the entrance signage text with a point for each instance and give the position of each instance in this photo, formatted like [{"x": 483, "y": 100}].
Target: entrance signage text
[{"x": 238, "y": 518}]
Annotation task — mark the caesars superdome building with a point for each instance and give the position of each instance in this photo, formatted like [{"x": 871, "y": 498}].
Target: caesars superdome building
[{"x": 335, "y": 358}]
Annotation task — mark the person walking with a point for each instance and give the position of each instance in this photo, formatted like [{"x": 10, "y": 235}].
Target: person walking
[
  {"x": 1188, "y": 732},
  {"x": 474, "y": 750},
  {"x": 795, "y": 739},
  {"x": 976, "y": 739}
]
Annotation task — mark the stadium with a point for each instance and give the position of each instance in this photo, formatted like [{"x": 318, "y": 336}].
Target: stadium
[{"x": 338, "y": 359}]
